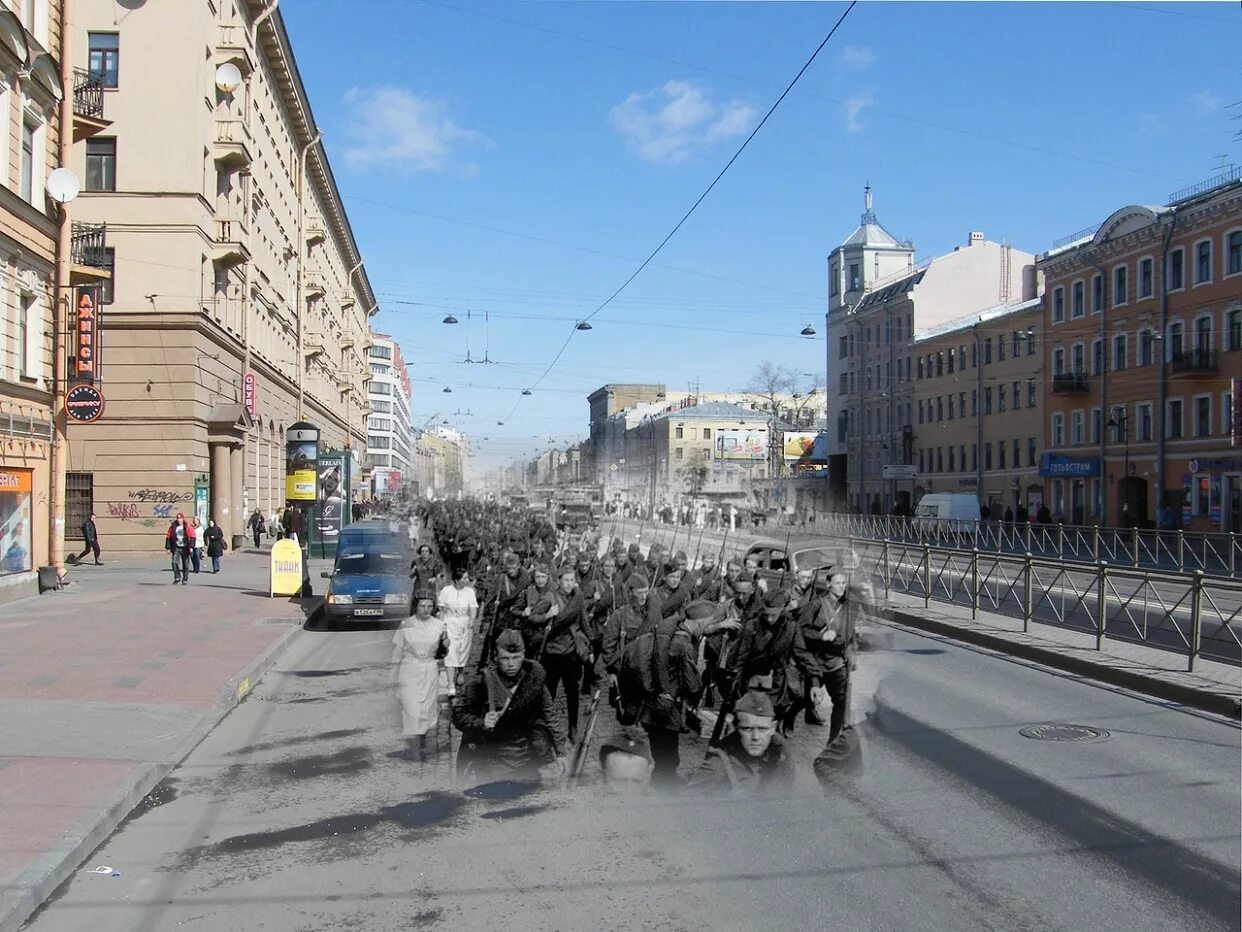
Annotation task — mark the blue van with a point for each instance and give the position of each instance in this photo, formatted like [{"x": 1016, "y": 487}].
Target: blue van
[{"x": 371, "y": 578}]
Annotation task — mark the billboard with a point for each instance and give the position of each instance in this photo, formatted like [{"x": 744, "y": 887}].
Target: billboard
[
  {"x": 742, "y": 443},
  {"x": 798, "y": 444},
  {"x": 301, "y": 454},
  {"x": 333, "y": 497},
  {"x": 387, "y": 481}
]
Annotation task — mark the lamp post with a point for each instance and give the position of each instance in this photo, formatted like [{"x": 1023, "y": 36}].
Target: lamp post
[{"x": 1119, "y": 420}]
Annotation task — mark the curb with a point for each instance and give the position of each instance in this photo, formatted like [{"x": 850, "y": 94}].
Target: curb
[
  {"x": 20, "y": 900},
  {"x": 1204, "y": 700}
]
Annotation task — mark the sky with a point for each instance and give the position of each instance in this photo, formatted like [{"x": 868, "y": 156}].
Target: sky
[{"x": 512, "y": 164}]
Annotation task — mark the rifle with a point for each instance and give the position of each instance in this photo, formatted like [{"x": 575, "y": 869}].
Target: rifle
[
  {"x": 488, "y": 641},
  {"x": 785, "y": 568},
  {"x": 580, "y": 752}
]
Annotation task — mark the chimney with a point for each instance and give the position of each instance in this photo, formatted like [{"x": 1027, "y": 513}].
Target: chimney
[{"x": 975, "y": 237}]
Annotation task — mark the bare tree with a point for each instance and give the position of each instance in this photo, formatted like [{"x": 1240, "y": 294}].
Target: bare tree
[
  {"x": 694, "y": 475},
  {"x": 780, "y": 393}
]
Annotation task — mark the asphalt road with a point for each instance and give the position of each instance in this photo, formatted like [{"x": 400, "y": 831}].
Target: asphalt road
[{"x": 295, "y": 814}]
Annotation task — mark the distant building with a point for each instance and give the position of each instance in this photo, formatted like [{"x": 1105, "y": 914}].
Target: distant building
[
  {"x": 389, "y": 436},
  {"x": 442, "y": 455},
  {"x": 605, "y": 402}
]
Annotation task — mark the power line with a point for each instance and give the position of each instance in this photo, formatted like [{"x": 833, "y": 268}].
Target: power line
[{"x": 693, "y": 207}]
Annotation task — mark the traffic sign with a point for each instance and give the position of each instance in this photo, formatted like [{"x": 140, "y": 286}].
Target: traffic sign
[
  {"x": 899, "y": 471},
  {"x": 84, "y": 403}
]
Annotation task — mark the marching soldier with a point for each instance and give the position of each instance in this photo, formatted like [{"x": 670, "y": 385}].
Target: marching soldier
[{"x": 751, "y": 760}]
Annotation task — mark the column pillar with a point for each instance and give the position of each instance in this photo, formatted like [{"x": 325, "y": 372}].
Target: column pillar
[
  {"x": 237, "y": 475},
  {"x": 221, "y": 485}
]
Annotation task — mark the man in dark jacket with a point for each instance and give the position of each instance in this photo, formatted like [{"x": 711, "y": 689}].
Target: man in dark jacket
[
  {"x": 564, "y": 624},
  {"x": 498, "y": 614},
  {"x": 706, "y": 581},
  {"x": 824, "y": 651},
  {"x": 673, "y": 591},
  {"x": 764, "y": 657},
  {"x": 625, "y": 623},
  {"x": 752, "y": 759},
  {"x": 90, "y": 538},
  {"x": 508, "y": 723}
]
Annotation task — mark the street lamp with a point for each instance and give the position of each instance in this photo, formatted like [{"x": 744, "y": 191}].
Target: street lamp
[{"x": 1119, "y": 420}]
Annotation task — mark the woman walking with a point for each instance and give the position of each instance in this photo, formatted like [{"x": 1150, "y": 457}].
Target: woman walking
[
  {"x": 423, "y": 642},
  {"x": 458, "y": 606},
  {"x": 214, "y": 536},
  {"x": 196, "y": 552},
  {"x": 179, "y": 542}
]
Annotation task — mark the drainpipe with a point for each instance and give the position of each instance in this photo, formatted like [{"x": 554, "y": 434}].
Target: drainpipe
[
  {"x": 61, "y": 298},
  {"x": 979, "y": 412},
  {"x": 301, "y": 309},
  {"x": 258, "y": 21},
  {"x": 1164, "y": 377},
  {"x": 1101, "y": 508}
]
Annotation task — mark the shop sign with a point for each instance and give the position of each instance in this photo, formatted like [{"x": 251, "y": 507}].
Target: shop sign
[
  {"x": 84, "y": 367},
  {"x": 15, "y": 520},
  {"x": 250, "y": 394},
  {"x": 286, "y": 568},
  {"x": 1068, "y": 466},
  {"x": 84, "y": 403}
]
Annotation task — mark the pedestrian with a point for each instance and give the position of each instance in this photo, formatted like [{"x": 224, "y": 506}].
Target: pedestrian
[
  {"x": 90, "y": 540},
  {"x": 825, "y": 652},
  {"x": 423, "y": 642},
  {"x": 257, "y": 526},
  {"x": 179, "y": 541},
  {"x": 196, "y": 552},
  {"x": 752, "y": 759},
  {"x": 458, "y": 608},
  {"x": 566, "y": 639},
  {"x": 216, "y": 544},
  {"x": 764, "y": 658}
]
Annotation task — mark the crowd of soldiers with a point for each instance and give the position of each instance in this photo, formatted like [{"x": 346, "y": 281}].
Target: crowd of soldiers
[{"x": 675, "y": 648}]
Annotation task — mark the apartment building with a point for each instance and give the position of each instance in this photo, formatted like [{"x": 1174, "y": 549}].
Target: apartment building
[
  {"x": 389, "y": 435},
  {"x": 238, "y": 304},
  {"x": 1143, "y": 316},
  {"x": 978, "y": 409},
  {"x": 878, "y": 299}
]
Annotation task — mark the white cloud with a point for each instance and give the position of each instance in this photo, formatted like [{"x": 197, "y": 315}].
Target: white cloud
[
  {"x": 1206, "y": 103},
  {"x": 394, "y": 127},
  {"x": 854, "y": 108},
  {"x": 670, "y": 124},
  {"x": 855, "y": 56}
]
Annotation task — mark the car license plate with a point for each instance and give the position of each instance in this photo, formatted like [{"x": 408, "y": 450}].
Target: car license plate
[{"x": 368, "y": 612}]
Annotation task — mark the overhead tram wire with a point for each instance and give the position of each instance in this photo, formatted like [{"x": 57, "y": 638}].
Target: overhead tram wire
[{"x": 702, "y": 197}]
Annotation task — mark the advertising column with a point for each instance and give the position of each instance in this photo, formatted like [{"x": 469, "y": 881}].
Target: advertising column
[{"x": 301, "y": 481}]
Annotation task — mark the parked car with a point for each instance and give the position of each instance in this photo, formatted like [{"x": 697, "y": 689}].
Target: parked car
[
  {"x": 370, "y": 580},
  {"x": 946, "y": 514},
  {"x": 776, "y": 567}
]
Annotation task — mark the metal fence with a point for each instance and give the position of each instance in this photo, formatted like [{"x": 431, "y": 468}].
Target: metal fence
[
  {"x": 1182, "y": 612},
  {"x": 1175, "y": 550}
]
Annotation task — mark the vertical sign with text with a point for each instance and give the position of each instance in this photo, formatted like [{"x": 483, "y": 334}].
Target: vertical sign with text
[
  {"x": 250, "y": 394},
  {"x": 84, "y": 362}
]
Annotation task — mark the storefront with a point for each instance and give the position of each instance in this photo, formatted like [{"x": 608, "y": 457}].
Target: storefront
[
  {"x": 1211, "y": 493},
  {"x": 1075, "y": 486}
]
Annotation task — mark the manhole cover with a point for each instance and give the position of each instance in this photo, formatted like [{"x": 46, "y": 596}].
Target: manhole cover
[{"x": 1059, "y": 731}]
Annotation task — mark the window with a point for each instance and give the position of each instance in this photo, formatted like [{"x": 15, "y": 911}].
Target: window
[
  {"x": 1030, "y": 342},
  {"x": 107, "y": 288},
  {"x": 380, "y": 352},
  {"x": 1017, "y": 395},
  {"x": 920, "y": 368},
  {"x": 987, "y": 456},
  {"x": 961, "y": 357},
  {"x": 974, "y": 402},
  {"x": 939, "y": 459},
  {"x": 707, "y": 433},
  {"x": 974, "y": 456},
  {"x": 1177, "y": 269},
  {"x": 951, "y": 465},
  {"x": 1097, "y": 356},
  {"x": 1000, "y": 454},
  {"x": 1203, "y": 334},
  {"x": 1142, "y": 413},
  {"x": 680, "y": 433},
  {"x": 679, "y": 453},
  {"x": 1030, "y": 393},
  {"x": 1147, "y": 348},
  {"x": 1146, "y": 276},
  {"x": 950, "y": 362},
  {"x": 379, "y": 369},
  {"x": 974, "y": 355},
  {"x": 855, "y": 276},
  {"x": 1121, "y": 347},
  {"x": 28, "y": 15},
  {"x": 833, "y": 287},
  {"x": 1203, "y": 262},
  {"x": 987, "y": 400},
  {"x": 377, "y": 442},
  {"x": 382, "y": 407},
  {"x": 843, "y": 388},
  {"x": 104, "y": 56},
  {"x": 1077, "y": 352},
  {"x": 920, "y": 411},
  {"x": 1000, "y": 349},
  {"x": 1078, "y": 302},
  {"x": 1233, "y": 253},
  {"x": 939, "y": 408},
  {"x": 1017, "y": 343},
  {"x": 961, "y": 403},
  {"x": 28, "y": 162},
  {"x": 1173, "y": 426},
  {"x": 922, "y": 464},
  {"x": 101, "y": 164},
  {"x": 1121, "y": 285},
  {"x": 843, "y": 347},
  {"x": 1076, "y": 428},
  {"x": 939, "y": 364},
  {"x": 1030, "y": 451},
  {"x": 1175, "y": 341},
  {"x": 1095, "y": 425},
  {"x": 28, "y": 333},
  {"x": 1233, "y": 329},
  {"x": 1058, "y": 361},
  {"x": 1226, "y": 407},
  {"x": 1000, "y": 398},
  {"x": 987, "y": 351},
  {"x": 950, "y": 407},
  {"x": 1203, "y": 415},
  {"x": 79, "y": 498},
  {"x": 1058, "y": 305}
]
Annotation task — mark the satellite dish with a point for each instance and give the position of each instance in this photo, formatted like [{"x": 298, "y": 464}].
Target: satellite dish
[
  {"x": 63, "y": 185},
  {"x": 228, "y": 77}
]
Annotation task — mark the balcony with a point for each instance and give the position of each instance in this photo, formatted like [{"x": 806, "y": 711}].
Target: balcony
[
  {"x": 231, "y": 148},
  {"x": 88, "y": 104},
  {"x": 232, "y": 46},
  {"x": 315, "y": 232},
  {"x": 313, "y": 286},
  {"x": 88, "y": 252},
  {"x": 1194, "y": 362},
  {"x": 1071, "y": 384},
  {"x": 230, "y": 243}
]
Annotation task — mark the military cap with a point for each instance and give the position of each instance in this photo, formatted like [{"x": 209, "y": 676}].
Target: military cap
[
  {"x": 510, "y": 641},
  {"x": 540, "y": 568},
  {"x": 510, "y": 558},
  {"x": 701, "y": 608},
  {"x": 775, "y": 598},
  {"x": 628, "y": 741},
  {"x": 638, "y": 581},
  {"x": 756, "y": 703}
]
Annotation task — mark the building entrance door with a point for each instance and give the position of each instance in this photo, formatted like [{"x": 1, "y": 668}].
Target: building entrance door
[{"x": 1231, "y": 507}]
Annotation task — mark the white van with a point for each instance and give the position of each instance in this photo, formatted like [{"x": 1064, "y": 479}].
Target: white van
[{"x": 946, "y": 513}]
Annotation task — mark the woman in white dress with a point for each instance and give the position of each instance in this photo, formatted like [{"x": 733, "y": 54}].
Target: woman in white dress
[
  {"x": 423, "y": 642},
  {"x": 458, "y": 606}
]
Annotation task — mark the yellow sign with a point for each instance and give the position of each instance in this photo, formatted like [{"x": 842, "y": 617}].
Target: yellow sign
[
  {"x": 300, "y": 485},
  {"x": 286, "y": 568}
]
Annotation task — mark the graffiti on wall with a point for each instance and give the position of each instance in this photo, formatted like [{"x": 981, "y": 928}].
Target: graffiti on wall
[
  {"x": 126, "y": 511},
  {"x": 161, "y": 496}
]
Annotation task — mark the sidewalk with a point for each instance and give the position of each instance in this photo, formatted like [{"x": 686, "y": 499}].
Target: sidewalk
[
  {"x": 105, "y": 686},
  {"x": 1213, "y": 687}
]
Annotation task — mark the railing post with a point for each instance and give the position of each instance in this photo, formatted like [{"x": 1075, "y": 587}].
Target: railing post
[
  {"x": 1135, "y": 542},
  {"x": 884, "y": 550},
  {"x": 1060, "y": 541},
  {"x": 1095, "y": 545},
  {"x": 1028, "y": 534},
  {"x": 1233, "y": 553},
  {"x": 1027, "y": 596},
  {"x": 1181, "y": 550},
  {"x": 1196, "y": 619},
  {"x": 927, "y": 576},
  {"x": 974, "y": 583},
  {"x": 1101, "y": 606}
]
